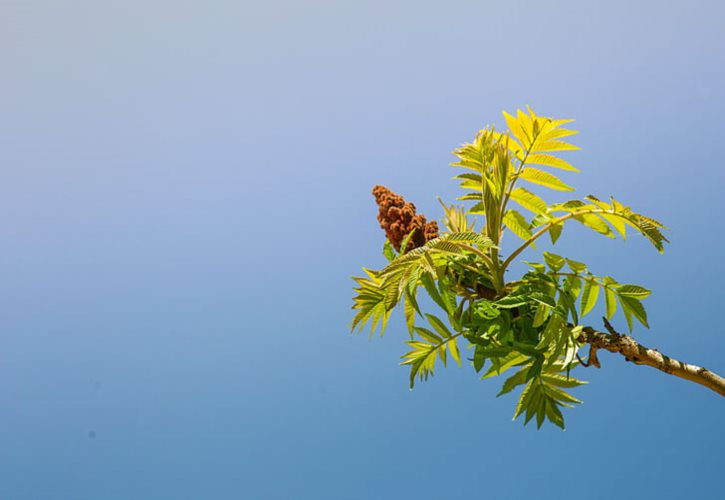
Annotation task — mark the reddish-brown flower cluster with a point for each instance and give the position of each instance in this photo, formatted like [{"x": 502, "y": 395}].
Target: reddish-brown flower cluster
[{"x": 398, "y": 218}]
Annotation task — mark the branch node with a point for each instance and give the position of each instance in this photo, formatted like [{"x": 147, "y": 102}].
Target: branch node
[
  {"x": 593, "y": 359},
  {"x": 609, "y": 326}
]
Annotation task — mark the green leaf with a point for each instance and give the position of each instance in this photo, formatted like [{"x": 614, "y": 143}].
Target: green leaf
[
  {"x": 555, "y": 232},
  {"x": 388, "y": 251},
  {"x": 567, "y": 302},
  {"x": 635, "y": 307},
  {"x": 561, "y": 380},
  {"x": 627, "y": 314},
  {"x": 572, "y": 286},
  {"x": 650, "y": 229},
  {"x": 477, "y": 209},
  {"x": 442, "y": 353},
  {"x": 555, "y": 262},
  {"x": 438, "y": 325},
  {"x": 449, "y": 298},
  {"x": 430, "y": 287},
  {"x": 455, "y": 218},
  {"x": 502, "y": 364},
  {"x": 518, "y": 378},
  {"x": 541, "y": 315},
  {"x": 511, "y": 301},
  {"x": 485, "y": 309},
  {"x": 525, "y": 399},
  {"x": 570, "y": 206},
  {"x": 453, "y": 349},
  {"x": 428, "y": 258},
  {"x": 634, "y": 291},
  {"x": 541, "y": 399},
  {"x": 409, "y": 310},
  {"x": 577, "y": 267},
  {"x": 422, "y": 357},
  {"x": 406, "y": 241},
  {"x": 560, "y": 395},
  {"x": 470, "y": 177},
  {"x": 528, "y": 349},
  {"x": 528, "y": 332},
  {"x": 553, "y": 413},
  {"x": 542, "y": 298},
  {"x": 470, "y": 181},
  {"x": 559, "y": 340},
  {"x": 479, "y": 357},
  {"x": 611, "y": 302},
  {"x": 373, "y": 302}
]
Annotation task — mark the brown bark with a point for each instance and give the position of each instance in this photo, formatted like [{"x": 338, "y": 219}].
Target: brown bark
[{"x": 638, "y": 354}]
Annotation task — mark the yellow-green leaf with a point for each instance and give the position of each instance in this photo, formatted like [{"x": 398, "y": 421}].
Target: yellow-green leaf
[
  {"x": 557, "y": 133},
  {"x": 428, "y": 335},
  {"x": 518, "y": 129},
  {"x": 509, "y": 141},
  {"x": 438, "y": 325},
  {"x": 577, "y": 267},
  {"x": 554, "y": 146},
  {"x": 634, "y": 291},
  {"x": 470, "y": 196},
  {"x": 478, "y": 208},
  {"x": 528, "y": 200},
  {"x": 409, "y": 309},
  {"x": 453, "y": 349},
  {"x": 555, "y": 232},
  {"x": 550, "y": 161},
  {"x": 632, "y": 306},
  {"x": 589, "y": 296},
  {"x": 611, "y": 301},
  {"x": 544, "y": 179},
  {"x": 517, "y": 224},
  {"x": 617, "y": 223},
  {"x": 594, "y": 222}
]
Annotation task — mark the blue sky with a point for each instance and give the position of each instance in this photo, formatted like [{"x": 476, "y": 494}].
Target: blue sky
[{"x": 185, "y": 193}]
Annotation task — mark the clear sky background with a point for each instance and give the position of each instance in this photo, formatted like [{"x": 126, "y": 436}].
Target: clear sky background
[{"x": 185, "y": 193}]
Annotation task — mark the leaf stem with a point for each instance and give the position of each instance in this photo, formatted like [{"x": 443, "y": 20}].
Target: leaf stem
[
  {"x": 536, "y": 236},
  {"x": 551, "y": 224}
]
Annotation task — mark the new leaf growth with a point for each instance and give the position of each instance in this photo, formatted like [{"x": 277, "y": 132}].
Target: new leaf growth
[{"x": 531, "y": 329}]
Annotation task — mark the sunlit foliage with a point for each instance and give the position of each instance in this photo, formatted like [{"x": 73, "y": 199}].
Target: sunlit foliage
[{"x": 527, "y": 329}]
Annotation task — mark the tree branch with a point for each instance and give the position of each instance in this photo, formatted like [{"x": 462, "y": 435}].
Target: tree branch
[{"x": 638, "y": 354}]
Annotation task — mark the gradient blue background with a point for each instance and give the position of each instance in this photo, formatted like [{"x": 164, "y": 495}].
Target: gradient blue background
[{"x": 185, "y": 193}]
